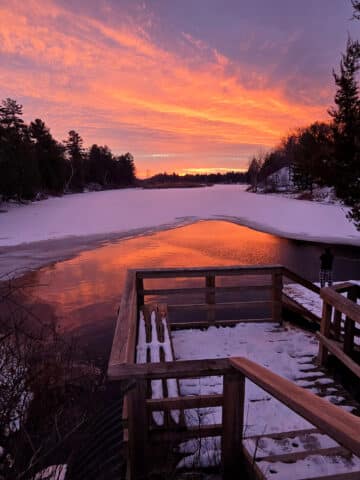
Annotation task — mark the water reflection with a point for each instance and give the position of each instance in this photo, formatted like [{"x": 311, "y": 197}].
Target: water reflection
[{"x": 84, "y": 292}]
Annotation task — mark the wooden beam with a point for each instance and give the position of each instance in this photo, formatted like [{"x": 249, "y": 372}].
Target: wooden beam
[
  {"x": 218, "y": 306},
  {"x": 138, "y": 432},
  {"x": 178, "y": 435},
  {"x": 298, "y": 279},
  {"x": 178, "y": 403},
  {"x": 176, "y": 369},
  {"x": 200, "y": 290},
  {"x": 296, "y": 307},
  {"x": 282, "y": 435},
  {"x": 337, "y": 324},
  {"x": 335, "y": 422},
  {"x": 210, "y": 296},
  {"x": 346, "y": 306},
  {"x": 202, "y": 271},
  {"x": 325, "y": 332},
  {"x": 335, "y": 349},
  {"x": 233, "y": 424},
  {"x": 218, "y": 323},
  {"x": 277, "y": 286},
  {"x": 294, "y": 456},
  {"x": 210, "y": 288},
  {"x": 342, "y": 287},
  {"x": 121, "y": 351},
  {"x": 139, "y": 288},
  {"x": 349, "y": 326}
]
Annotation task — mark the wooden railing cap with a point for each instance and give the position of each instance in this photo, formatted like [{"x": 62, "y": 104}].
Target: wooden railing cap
[
  {"x": 184, "y": 271},
  {"x": 342, "y": 426}
]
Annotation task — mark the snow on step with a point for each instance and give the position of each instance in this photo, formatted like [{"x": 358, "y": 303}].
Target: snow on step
[
  {"x": 152, "y": 349},
  {"x": 311, "y": 301},
  {"x": 308, "y": 299},
  {"x": 319, "y": 465},
  {"x": 287, "y": 351}
]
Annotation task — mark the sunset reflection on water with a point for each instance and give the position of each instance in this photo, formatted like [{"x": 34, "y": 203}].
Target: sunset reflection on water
[{"x": 84, "y": 292}]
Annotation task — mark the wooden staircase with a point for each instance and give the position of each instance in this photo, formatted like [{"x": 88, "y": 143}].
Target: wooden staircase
[
  {"x": 272, "y": 456},
  {"x": 335, "y": 435}
]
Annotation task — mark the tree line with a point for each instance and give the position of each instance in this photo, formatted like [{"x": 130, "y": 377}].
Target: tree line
[
  {"x": 32, "y": 162},
  {"x": 198, "y": 178},
  {"x": 325, "y": 154}
]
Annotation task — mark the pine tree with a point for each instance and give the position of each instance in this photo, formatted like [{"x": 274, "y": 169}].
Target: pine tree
[
  {"x": 346, "y": 126},
  {"x": 19, "y": 175},
  {"x": 76, "y": 156},
  {"x": 356, "y": 5},
  {"x": 50, "y": 157}
]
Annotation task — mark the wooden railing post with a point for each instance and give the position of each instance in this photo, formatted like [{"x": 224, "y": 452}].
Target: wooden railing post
[
  {"x": 324, "y": 330},
  {"x": 210, "y": 296},
  {"x": 349, "y": 326},
  {"x": 277, "y": 286},
  {"x": 233, "y": 424},
  {"x": 138, "y": 431},
  {"x": 337, "y": 324},
  {"x": 140, "y": 291}
]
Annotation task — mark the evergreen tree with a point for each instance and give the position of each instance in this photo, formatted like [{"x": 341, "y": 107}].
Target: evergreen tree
[
  {"x": 100, "y": 165},
  {"x": 346, "y": 126},
  {"x": 50, "y": 158},
  {"x": 253, "y": 172},
  {"x": 76, "y": 157},
  {"x": 19, "y": 175},
  {"x": 32, "y": 161},
  {"x": 312, "y": 156},
  {"x": 356, "y": 5}
]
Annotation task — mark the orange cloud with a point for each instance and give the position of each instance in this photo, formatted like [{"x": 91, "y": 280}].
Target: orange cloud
[{"x": 117, "y": 86}]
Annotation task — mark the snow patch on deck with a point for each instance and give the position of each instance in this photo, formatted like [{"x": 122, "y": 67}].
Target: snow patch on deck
[{"x": 287, "y": 351}]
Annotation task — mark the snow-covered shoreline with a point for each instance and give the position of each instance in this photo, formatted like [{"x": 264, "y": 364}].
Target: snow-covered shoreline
[{"x": 42, "y": 232}]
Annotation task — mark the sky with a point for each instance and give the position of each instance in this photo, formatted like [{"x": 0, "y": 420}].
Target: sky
[{"x": 184, "y": 85}]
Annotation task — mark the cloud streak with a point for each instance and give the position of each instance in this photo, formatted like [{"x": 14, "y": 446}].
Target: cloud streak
[{"x": 112, "y": 79}]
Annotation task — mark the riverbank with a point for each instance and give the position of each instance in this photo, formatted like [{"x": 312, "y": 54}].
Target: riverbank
[{"x": 43, "y": 232}]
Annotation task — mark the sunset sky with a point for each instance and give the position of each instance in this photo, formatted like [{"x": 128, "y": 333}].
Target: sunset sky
[{"x": 182, "y": 84}]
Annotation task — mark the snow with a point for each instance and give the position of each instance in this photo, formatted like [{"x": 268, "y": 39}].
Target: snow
[
  {"x": 153, "y": 346},
  {"x": 289, "y": 352},
  {"x": 53, "y": 472},
  {"x": 267, "y": 344},
  {"x": 312, "y": 301},
  {"x": 130, "y": 211},
  {"x": 308, "y": 299}
]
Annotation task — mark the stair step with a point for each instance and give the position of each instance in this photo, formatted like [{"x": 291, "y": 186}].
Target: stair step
[{"x": 294, "y": 456}]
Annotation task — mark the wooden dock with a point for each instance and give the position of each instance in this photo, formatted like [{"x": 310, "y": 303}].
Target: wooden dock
[{"x": 155, "y": 426}]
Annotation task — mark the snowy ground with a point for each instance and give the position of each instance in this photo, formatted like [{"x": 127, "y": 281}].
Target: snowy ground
[
  {"x": 40, "y": 233},
  {"x": 128, "y": 210}
]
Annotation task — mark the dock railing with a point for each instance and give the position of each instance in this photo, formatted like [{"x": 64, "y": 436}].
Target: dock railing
[
  {"x": 340, "y": 325},
  {"x": 340, "y": 425},
  {"x": 135, "y": 294},
  {"x": 210, "y": 290}
]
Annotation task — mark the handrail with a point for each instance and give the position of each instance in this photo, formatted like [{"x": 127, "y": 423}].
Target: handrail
[
  {"x": 332, "y": 420},
  {"x": 341, "y": 303},
  {"x": 343, "y": 287},
  {"x": 123, "y": 346},
  {"x": 178, "y": 369},
  {"x": 202, "y": 271},
  {"x": 298, "y": 279}
]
